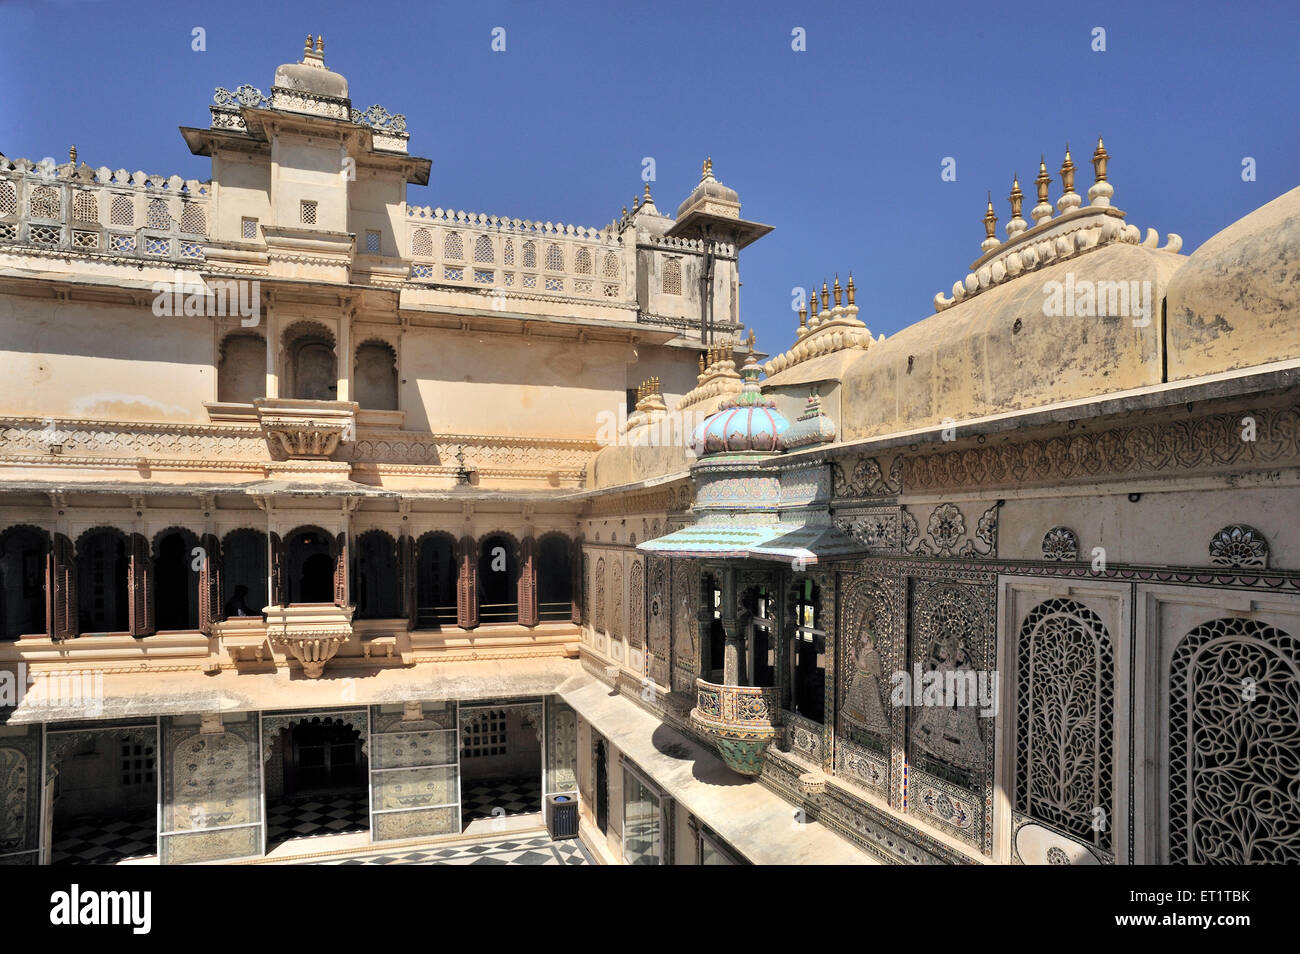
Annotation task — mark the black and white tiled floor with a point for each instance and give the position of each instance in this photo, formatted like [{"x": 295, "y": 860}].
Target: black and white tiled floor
[
  {"x": 308, "y": 816},
  {"x": 530, "y": 850},
  {"x": 516, "y": 796},
  {"x": 99, "y": 841}
]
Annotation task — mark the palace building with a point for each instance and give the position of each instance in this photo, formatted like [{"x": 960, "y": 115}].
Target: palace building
[{"x": 327, "y": 514}]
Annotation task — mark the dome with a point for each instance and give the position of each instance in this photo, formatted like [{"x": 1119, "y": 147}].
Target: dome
[
  {"x": 709, "y": 188},
  {"x": 1233, "y": 304},
  {"x": 999, "y": 352},
  {"x": 749, "y": 422},
  {"x": 310, "y": 75}
]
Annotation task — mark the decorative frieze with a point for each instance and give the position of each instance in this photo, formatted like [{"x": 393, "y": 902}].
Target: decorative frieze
[{"x": 1210, "y": 443}]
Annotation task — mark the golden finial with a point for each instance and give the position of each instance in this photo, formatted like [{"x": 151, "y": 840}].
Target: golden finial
[
  {"x": 72, "y": 155},
  {"x": 701, "y": 362},
  {"x": 1067, "y": 171},
  {"x": 306, "y": 47},
  {"x": 803, "y": 316},
  {"x": 1044, "y": 180},
  {"x": 751, "y": 339},
  {"x": 838, "y": 291},
  {"x": 636, "y": 202},
  {"x": 648, "y": 200},
  {"x": 850, "y": 288},
  {"x": 1017, "y": 197},
  {"x": 320, "y": 44},
  {"x": 624, "y": 211},
  {"x": 990, "y": 220},
  {"x": 1099, "y": 160},
  {"x": 812, "y": 310},
  {"x": 826, "y": 296}
]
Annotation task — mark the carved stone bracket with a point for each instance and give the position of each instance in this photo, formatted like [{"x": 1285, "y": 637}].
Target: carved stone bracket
[
  {"x": 312, "y": 633},
  {"x": 306, "y": 429}
]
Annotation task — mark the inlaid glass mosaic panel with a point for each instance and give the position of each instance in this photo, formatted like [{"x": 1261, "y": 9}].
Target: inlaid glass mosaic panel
[
  {"x": 211, "y": 781},
  {"x": 414, "y": 788},
  {"x": 561, "y": 747},
  {"x": 418, "y": 824},
  {"x": 20, "y": 793},
  {"x": 409, "y": 749}
]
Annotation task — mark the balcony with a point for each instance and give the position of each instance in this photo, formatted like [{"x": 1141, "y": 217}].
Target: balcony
[{"x": 741, "y": 720}]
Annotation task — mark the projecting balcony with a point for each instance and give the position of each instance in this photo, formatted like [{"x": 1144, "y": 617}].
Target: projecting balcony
[{"x": 741, "y": 720}]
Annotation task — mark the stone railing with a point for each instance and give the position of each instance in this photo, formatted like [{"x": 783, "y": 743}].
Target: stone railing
[
  {"x": 389, "y": 129},
  {"x": 698, "y": 246},
  {"x": 738, "y": 705},
  {"x": 516, "y": 257},
  {"x": 740, "y": 720},
  {"x": 74, "y": 208}
]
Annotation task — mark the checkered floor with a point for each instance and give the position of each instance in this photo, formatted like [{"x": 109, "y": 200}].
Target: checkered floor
[
  {"x": 534, "y": 850},
  {"x": 309, "y": 816},
  {"x": 100, "y": 841},
  {"x": 516, "y": 796}
]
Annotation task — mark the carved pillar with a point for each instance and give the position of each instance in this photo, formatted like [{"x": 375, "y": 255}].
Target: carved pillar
[
  {"x": 406, "y": 573},
  {"x": 467, "y": 585},
  {"x": 278, "y": 592},
  {"x": 576, "y": 581},
  {"x": 733, "y": 656},
  {"x": 341, "y": 569},
  {"x": 140, "y": 587},
  {"x": 527, "y": 588},
  {"x": 61, "y": 620},
  {"x": 210, "y": 584},
  {"x": 344, "y": 391}
]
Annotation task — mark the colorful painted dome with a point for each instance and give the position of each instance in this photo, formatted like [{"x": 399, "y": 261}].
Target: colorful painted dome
[{"x": 747, "y": 422}]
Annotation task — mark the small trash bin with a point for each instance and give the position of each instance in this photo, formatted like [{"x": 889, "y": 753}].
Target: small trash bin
[{"x": 562, "y": 816}]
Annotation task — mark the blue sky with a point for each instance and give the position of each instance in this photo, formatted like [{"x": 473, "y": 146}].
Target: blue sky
[{"x": 839, "y": 147}]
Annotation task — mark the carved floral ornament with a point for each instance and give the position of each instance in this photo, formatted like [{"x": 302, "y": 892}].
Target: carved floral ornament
[
  {"x": 1239, "y": 546},
  {"x": 1060, "y": 544}
]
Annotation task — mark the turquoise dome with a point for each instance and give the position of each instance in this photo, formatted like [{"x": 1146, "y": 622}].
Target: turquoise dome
[{"x": 748, "y": 422}]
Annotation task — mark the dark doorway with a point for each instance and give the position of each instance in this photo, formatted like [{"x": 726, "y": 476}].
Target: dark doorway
[
  {"x": 435, "y": 586},
  {"x": 323, "y": 756},
  {"x": 376, "y": 593},
  {"x": 717, "y": 639},
  {"x": 105, "y": 798},
  {"x": 311, "y": 567},
  {"x": 176, "y": 583},
  {"x": 498, "y": 580},
  {"x": 102, "y": 591},
  {"x": 555, "y": 579},
  {"x": 22, "y": 581},
  {"x": 500, "y": 761},
  {"x": 243, "y": 573},
  {"x": 322, "y": 783}
]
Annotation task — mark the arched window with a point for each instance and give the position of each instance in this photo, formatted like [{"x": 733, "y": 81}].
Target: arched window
[
  {"x": 554, "y": 578},
  {"x": 554, "y": 258},
  {"x": 671, "y": 281},
  {"x": 452, "y": 247},
  {"x": 530, "y": 255},
  {"x": 1234, "y": 709},
  {"x": 422, "y": 244},
  {"x": 498, "y": 579},
  {"x": 176, "y": 580},
  {"x": 157, "y": 215},
  {"x": 243, "y": 573},
  {"x": 435, "y": 583},
  {"x": 311, "y": 368},
  {"x": 8, "y": 198},
  {"x": 483, "y": 251},
  {"x": 508, "y": 252},
  {"x": 43, "y": 203},
  {"x": 375, "y": 376},
  {"x": 610, "y": 267},
  {"x": 103, "y": 590},
  {"x": 1065, "y": 709},
  {"x": 582, "y": 262},
  {"x": 310, "y": 565},
  {"x": 375, "y": 586},
  {"x": 241, "y": 374},
  {"x": 23, "y": 553}
]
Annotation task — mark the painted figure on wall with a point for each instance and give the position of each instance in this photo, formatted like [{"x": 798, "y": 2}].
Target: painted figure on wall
[
  {"x": 863, "y": 707},
  {"x": 947, "y": 724}
]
